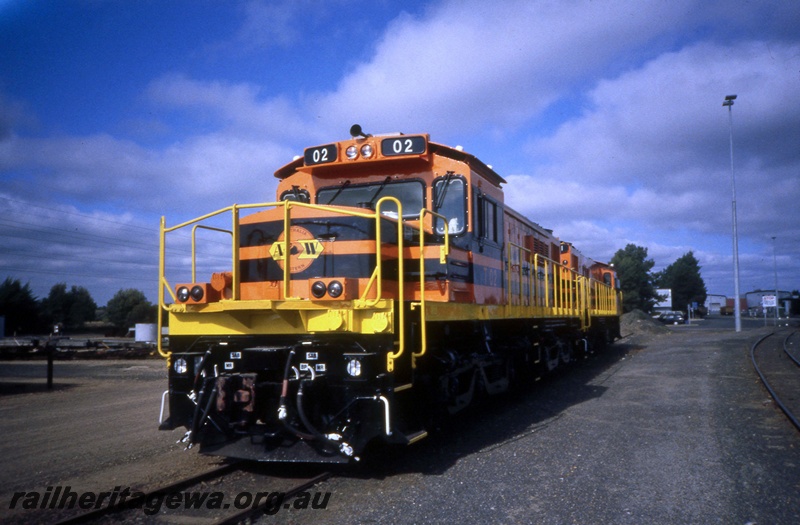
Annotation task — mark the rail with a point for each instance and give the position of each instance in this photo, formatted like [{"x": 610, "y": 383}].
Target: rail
[{"x": 782, "y": 404}]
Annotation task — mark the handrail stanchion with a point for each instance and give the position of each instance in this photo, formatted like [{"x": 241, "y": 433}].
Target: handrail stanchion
[
  {"x": 377, "y": 275},
  {"x": 161, "y": 306},
  {"x": 444, "y": 252},
  {"x": 391, "y": 356},
  {"x": 287, "y": 246},
  {"x": 235, "y": 277},
  {"x": 194, "y": 247}
]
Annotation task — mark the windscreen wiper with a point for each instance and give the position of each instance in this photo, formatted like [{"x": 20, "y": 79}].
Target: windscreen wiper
[
  {"x": 380, "y": 189},
  {"x": 339, "y": 191},
  {"x": 445, "y": 187}
]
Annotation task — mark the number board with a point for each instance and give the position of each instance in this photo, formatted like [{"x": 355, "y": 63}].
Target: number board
[
  {"x": 403, "y": 146},
  {"x": 320, "y": 154}
]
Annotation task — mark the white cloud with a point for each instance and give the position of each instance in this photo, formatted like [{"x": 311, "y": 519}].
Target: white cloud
[
  {"x": 662, "y": 131},
  {"x": 235, "y": 106},
  {"x": 208, "y": 170},
  {"x": 465, "y": 66},
  {"x": 13, "y": 114},
  {"x": 269, "y": 24},
  {"x": 670, "y": 109}
]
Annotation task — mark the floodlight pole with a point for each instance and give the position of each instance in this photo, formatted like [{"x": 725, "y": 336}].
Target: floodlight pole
[{"x": 736, "y": 308}]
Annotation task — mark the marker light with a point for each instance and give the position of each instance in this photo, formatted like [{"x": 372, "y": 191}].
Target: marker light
[{"x": 367, "y": 151}]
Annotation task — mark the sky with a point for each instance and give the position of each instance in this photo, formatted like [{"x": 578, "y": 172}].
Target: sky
[{"x": 605, "y": 118}]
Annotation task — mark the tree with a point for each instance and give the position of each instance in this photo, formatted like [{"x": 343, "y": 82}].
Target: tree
[
  {"x": 55, "y": 306},
  {"x": 19, "y": 306},
  {"x": 129, "y": 307},
  {"x": 82, "y": 307},
  {"x": 683, "y": 278},
  {"x": 633, "y": 269},
  {"x": 70, "y": 309}
]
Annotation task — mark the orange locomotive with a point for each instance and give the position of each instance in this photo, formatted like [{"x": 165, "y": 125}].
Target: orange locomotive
[{"x": 388, "y": 285}]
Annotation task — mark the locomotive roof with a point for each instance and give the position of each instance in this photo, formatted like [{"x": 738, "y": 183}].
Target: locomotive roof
[
  {"x": 473, "y": 161},
  {"x": 440, "y": 149}
]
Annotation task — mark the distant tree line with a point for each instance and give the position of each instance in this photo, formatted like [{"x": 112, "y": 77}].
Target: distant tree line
[
  {"x": 639, "y": 284},
  {"x": 69, "y": 309}
]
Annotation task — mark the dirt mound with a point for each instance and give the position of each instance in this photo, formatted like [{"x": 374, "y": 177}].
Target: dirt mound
[{"x": 637, "y": 322}]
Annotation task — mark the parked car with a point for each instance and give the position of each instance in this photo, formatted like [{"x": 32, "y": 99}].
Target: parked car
[{"x": 672, "y": 318}]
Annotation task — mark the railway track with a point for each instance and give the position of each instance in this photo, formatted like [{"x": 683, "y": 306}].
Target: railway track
[
  {"x": 232, "y": 493},
  {"x": 778, "y": 365}
]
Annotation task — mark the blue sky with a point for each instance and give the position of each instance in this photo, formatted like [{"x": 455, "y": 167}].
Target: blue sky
[{"x": 606, "y": 119}]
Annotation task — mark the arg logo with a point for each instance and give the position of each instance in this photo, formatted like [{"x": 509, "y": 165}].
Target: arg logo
[{"x": 303, "y": 249}]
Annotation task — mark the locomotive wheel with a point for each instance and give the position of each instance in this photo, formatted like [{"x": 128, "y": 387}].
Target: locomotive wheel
[
  {"x": 551, "y": 357},
  {"x": 565, "y": 352},
  {"x": 512, "y": 375},
  {"x": 480, "y": 394}
]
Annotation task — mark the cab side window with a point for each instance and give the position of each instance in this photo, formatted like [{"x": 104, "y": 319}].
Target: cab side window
[
  {"x": 296, "y": 194},
  {"x": 489, "y": 223}
]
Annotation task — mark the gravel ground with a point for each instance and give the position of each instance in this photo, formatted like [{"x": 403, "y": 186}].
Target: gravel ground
[
  {"x": 677, "y": 431},
  {"x": 669, "y": 426},
  {"x": 96, "y": 430}
]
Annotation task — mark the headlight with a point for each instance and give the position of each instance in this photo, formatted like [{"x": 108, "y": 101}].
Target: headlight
[
  {"x": 318, "y": 289},
  {"x": 197, "y": 293},
  {"x": 351, "y": 152},
  {"x": 354, "y": 367},
  {"x": 367, "y": 151},
  {"x": 183, "y": 294},
  {"x": 180, "y": 366},
  {"x": 335, "y": 289}
]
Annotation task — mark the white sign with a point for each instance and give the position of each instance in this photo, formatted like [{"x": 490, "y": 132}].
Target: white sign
[
  {"x": 769, "y": 301},
  {"x": 666, "y": 293}
]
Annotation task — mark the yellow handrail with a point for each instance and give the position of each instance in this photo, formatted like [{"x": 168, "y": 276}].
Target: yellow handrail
[
  {"x": 555, "y": 287},
  {"x": 520, "y": 294},
  {"x": 194, "y": 242},
  {"x": 377, "y": 274},
  {"x": 287, "y": 243},
  {"x": 376, "y": 278},
  {"x": 391, "y": 356},
  {"x": 161, "y": 283},
  {"x": 550, "y": 285},
  {"x": 444, "y": 252},
  {"x": 235, "y": 276}
]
